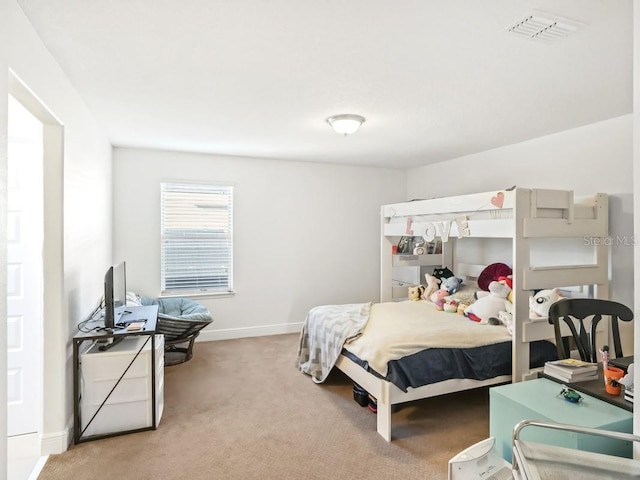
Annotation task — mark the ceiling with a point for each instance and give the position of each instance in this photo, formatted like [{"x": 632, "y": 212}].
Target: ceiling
[{"x": 435, "y": 79}]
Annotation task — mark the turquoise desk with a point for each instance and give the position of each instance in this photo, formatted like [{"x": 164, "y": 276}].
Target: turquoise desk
[{"x": 538, "y": 400}]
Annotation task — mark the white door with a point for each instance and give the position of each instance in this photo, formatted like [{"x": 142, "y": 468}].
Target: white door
[{"x": 24, "y": 271}]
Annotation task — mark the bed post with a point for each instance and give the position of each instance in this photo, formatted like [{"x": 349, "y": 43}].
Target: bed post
[
  {"x": 602, "y": 248},
  {"x": 386, "y": 262},
  {"x": 383, "y": 416},
  {"x": 521, "y": 264}
]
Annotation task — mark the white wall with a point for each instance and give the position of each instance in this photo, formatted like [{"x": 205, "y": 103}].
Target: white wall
[
  {"x": 78, "y": 220},
  {"x": 589, "y": 159},
  {"x": 304, "y": 234}
]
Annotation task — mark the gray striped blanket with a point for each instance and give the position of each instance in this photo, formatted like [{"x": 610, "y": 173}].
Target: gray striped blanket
[{"x": 326, "y": 329}]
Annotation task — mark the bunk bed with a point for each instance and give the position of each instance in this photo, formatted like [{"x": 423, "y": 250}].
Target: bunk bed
[{"x": 526, "y": 218}]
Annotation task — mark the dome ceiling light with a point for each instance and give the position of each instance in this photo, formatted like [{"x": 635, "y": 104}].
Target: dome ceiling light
[{"x": 346, "y": 123}]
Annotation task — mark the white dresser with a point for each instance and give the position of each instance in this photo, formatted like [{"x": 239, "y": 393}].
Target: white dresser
[{"x": 129, "y": 406}]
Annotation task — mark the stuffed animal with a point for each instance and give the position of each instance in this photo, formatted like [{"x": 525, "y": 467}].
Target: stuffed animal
[
  {"x": 450, "y": 305},
  {"x": 490, "y": 305},
  {"x": 442, "y": 273},
  {"x": 451, "y": 284},
  {"x": 414, "y": 293},
  {"x": 438, "y": 297},
  {"x": 627, "y": 380},
  {"x": 539, "y": 304},
  {"x": 504, "y": 318},
  {"x": 509, "y": 281},
  {"x": 433, "y": 284},
  {"x": 492, "y": 273}
]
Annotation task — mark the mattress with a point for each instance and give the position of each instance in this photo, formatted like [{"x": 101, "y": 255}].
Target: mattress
[
  {"x": 411, "y": 344},
  {"x": 434, "y": 365}
]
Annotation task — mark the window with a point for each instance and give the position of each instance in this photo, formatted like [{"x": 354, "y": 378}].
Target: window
[{"x": 196, "y": 238}]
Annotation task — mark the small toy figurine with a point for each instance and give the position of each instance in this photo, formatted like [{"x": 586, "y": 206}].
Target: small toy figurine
[{"x": 570, "y": 395}]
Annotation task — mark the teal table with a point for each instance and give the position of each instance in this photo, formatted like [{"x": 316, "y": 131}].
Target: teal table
[{"x": 538, "y": 400}]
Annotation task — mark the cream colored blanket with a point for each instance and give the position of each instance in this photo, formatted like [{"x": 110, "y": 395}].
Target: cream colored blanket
[{"x": 398, "y": 329}]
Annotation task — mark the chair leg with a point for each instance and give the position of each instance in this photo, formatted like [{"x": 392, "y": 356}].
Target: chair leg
[{"x": 174, "y": 355}]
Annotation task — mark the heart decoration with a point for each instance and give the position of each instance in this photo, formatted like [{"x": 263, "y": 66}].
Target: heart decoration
[{"x": 498, "y": 200}]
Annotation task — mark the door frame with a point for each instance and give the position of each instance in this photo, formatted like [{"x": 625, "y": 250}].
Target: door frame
[{"x": 54, "y": 431}]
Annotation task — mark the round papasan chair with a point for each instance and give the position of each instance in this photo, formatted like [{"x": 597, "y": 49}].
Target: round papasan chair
[{"x": 180, "y": 321}]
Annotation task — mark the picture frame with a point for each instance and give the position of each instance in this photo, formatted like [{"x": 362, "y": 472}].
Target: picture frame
[{"x": 405, "y": 245}]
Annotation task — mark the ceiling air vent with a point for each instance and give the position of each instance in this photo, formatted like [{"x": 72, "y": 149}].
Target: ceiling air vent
[{"x": 543, "y": 27}]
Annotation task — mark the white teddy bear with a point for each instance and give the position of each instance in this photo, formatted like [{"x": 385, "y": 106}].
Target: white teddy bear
[{"x": 490, "y": 305}]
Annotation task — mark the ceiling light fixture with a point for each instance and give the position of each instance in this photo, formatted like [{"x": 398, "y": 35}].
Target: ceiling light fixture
[{"x": 346, "y": 123}]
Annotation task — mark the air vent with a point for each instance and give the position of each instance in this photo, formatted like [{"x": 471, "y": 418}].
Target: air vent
[{"x": 543, "y": 28}]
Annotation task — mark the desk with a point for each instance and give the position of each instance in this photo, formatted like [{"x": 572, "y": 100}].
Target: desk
[
  {"x": 150, "y": 313},
  {"x": 538, "y": 400},
  {"x": 594, "y": 388}
]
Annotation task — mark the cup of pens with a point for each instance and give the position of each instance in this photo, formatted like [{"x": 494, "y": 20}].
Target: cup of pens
[{"x": 612, "y": 375}]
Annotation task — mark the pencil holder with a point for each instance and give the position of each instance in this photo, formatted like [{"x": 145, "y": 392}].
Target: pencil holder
[{"x": 612, "y": 376}]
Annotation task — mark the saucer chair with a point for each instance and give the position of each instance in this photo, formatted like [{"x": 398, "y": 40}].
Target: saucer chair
[{"x": 180, "y": 320}]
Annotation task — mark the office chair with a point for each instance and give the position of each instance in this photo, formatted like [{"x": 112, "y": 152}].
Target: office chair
[{"x": 572, "y": 310}]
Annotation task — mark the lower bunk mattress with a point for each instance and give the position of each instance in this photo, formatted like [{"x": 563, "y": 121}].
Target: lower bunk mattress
[
  {"x": 438, "y": 364},
  {"x": 411, "y": 344}
]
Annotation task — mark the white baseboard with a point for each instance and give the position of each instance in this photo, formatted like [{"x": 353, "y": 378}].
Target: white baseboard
[
  {"x": 231, "y": 333},
  {"x": 38, "y": 468},
  {"x": 54, "y": 443}
]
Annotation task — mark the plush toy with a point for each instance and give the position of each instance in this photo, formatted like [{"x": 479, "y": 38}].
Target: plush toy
[
  {"x": 509, "y": 281},
  {"x": 414, "y": 293},
  {"x": 490, "y": 305},
  {"x": 438, "y": 297},
  {"x": 492, "y": 273},
  {"x": 451, "y": 284},
  {"x": 450, "y": 305},
  {"x": 504, "y": 318},
  {"x": 539, "y": 304},
  {"x": 433, "y": 284},
  {"x": 627, "y": 380},
  {"x": 442, "y": 273}
]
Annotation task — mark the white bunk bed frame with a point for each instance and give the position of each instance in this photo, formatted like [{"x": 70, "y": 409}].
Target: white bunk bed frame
[{"x": 521, "y": 215}]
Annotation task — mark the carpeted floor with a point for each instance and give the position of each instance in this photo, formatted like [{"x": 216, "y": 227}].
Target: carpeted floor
[{"x": 241, "y": 410}]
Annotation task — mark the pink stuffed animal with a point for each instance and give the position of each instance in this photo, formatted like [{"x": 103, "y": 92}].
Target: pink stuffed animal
[{"x": 438, "y": 297}]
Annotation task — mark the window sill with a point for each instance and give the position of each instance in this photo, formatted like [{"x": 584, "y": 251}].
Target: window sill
[{"x": 198, "y": 295}]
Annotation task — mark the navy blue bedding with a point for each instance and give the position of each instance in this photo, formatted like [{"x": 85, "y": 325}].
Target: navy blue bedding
[{"x": 437, "y": 364}]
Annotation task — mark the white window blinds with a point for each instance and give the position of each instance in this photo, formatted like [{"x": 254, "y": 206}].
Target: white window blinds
[{"x": 196, "y": 238}]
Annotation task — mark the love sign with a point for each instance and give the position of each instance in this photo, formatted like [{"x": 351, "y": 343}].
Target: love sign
[{"x": 443, "y": 229}]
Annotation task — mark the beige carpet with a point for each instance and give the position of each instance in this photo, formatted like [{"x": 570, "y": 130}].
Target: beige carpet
[{"x": 241, "y": 410}]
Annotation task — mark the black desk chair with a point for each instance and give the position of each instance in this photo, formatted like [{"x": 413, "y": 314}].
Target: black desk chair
[{"x": 577, "y": 310}]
